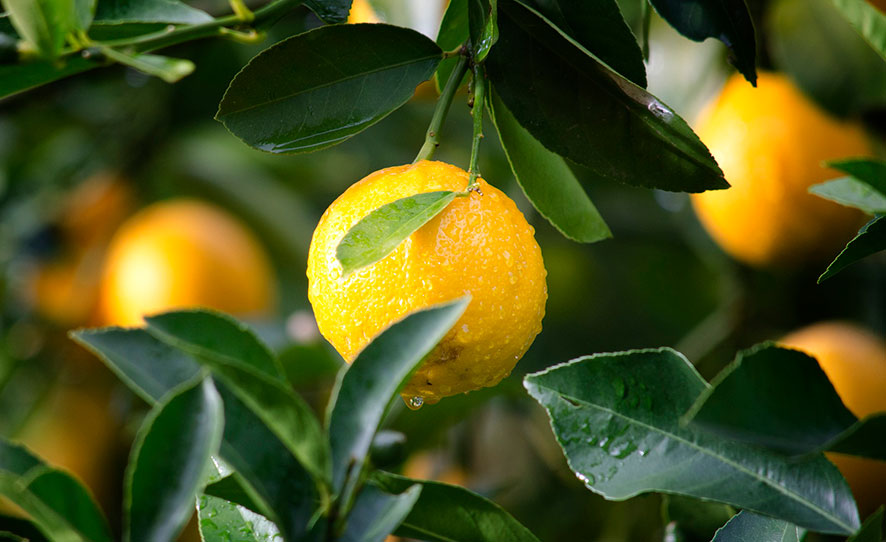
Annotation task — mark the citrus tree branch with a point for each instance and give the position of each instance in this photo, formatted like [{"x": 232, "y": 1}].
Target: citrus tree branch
[
  {"x": 443, "y": 103},
  {"x": 478, "y": 102}
]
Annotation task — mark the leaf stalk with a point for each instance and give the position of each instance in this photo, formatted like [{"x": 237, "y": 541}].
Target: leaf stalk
[{"x": 432, "y": 136}]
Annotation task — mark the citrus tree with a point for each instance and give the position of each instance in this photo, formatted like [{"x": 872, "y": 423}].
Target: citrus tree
[{"x": 429, "y": 283}]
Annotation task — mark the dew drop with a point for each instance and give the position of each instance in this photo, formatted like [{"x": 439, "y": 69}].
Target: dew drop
[{"x": 415, "y": 403}]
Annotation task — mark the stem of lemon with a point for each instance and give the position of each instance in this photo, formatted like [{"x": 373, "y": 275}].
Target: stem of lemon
[
  {"x": 443, "y": 102},
  {"x": 479, "y": 82}
]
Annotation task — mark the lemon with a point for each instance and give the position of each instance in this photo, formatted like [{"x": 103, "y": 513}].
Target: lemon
[
  {"x": 855, "y": 361},
  {"x": 771, "y": 142},
  {"x": 184, "y": 253},
  {"x": 480, "y": 245}
]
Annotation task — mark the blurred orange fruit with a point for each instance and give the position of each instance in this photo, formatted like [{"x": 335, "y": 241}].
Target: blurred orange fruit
[
  {"x": 479, "y": 245},
  {"x": 184, "y": 253},
  {"x": 770, "y": 142},
  {"x": 854, "y": 360},
  {"x": 362, "y": 12}
]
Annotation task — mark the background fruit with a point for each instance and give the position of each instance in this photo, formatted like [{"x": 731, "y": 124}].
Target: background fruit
[
  {"x": 855, "y": 361},
  {"x": 479, "y": 245},
  {"x": 184, "y": 253},
  {"x": 770, "y": 143}
]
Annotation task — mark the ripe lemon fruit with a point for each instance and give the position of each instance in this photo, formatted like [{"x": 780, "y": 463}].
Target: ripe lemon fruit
[
  {"x": 184, "y": 253},
  {"x": 770, "y": 142},
  {"x": 479, "y": 245},
  {"x": 855, "y": 361},
  {"x": 362, "y": 12}
]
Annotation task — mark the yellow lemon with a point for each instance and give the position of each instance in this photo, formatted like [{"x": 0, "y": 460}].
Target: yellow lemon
[
  {"x": 184, "y": 253},
  {"x": 855, "y": 361},
  {"x": 362, "y": 12},
  {"x": 770, "y": 142},
  {"x": 479, "y": 245}
]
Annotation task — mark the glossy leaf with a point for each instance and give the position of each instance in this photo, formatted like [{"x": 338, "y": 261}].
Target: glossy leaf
[
  {"x": 15, "y": 78},
  {"x": 871, "y": 238},
  {"x": 867, "y": 20},
  {"x": 749, "y": 401},
  {"x": 583, "y": 111},
  {"x": 852, "y": 193},
  {"x": 547, "y": 180},
  {"x": 232, "y": 488},
  {"x": 253, "y": 374},
  {"x": 864, "y": 438},
  {"x": 483, "y": 27},
  {"x": 222, "y": 521},
  {"x": 377, "y": 513},
  {"x": 726, "y": 20},
  {"x": 148, "y": 11},
  {"x": 453, "y": 32},
  {"x": 698, "y": 519},
  {"x": 380, "y": 232},
  {"x": 330, "y": 11},
  {"x": 870, "y": 172},
  {"x": 600, "y": 28},
  {"x": 43, "y": 24},
  {"x": 750, "y": 527},
  {"x": 174, "y": 443},
  {"x": 617, "y": 418},
  {"x": 164, "y": 67},
  {"x": 368, "y": 388},
  {"x": 319, "y": 88},
  {"x": 871, "y": 530},
  {"x": 58, "y": 504},
  {"x": 448, "y": 513}
]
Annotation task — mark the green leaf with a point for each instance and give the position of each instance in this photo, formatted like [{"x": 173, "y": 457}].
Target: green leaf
[
  {"x": 852, "y": 193},
  {"x": 871, "y": 238},
  {"x": 57, "y": 503},
  {"x": 232, "y": 488},
  {"x": 84, "y": 10},
  {"x": 867, "y": 20},
  {"x": 547, "y": 181},
  {"x": 454, "y": 31},
  {"x": 820, "y": 51},
  {"x": 583, "y": 111},
  {"x": 447, "y": 513},
  {"x": 164, "y": 67},
  {"x": 600, "y": 28},
  {"x": 726, "y": 20},
  {"x": 249, "y": 370},
  {"x": 319, "y": 88},
  {"x": 377, "y": 513},
  {"x": 116, "y": 12},
  {"x": 43, "y": 24},
  {"x": 751, "y": 400},
  {"x": 750, "y": 527},
  {"x": 380, "y": 232},
  {"x": 222, "y": 521},
  {"x": 870, "y": 172},
  {"x": 483, "y": 27},
  {"x": 871, "y": 530},
  {"x": 699, "y": 519},
  {"x": 15, "y": 78},
  {"x": 368, "y": 388},
  {"x": 22, "y": 528},
  {"x": 617, "y": 418},
  {"x": 174, "y": 443},
  {"x": 864, "y": 438},
  {"x": 330, "y": 11}
]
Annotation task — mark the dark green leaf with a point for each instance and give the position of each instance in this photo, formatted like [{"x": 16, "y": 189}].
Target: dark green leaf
[
  {"x": 43, "y": 24},
  {"x": 164, "y": 67},
  {"x": 547, "y": 181},
  {"x": 447, "y": 513},
  {"x": 617, "y": 418},
  {"x": 253, "y": 374},
  {"x": 380, "y": 232},
  {"x": 870, "y": 172},
  {"x": 331, "y": 11},
  {"x": 222, "y": 521},
  {"x": 148, "y": 11},
  {"x": 864, "y": 438},
  {"x": 377, "y": 513},
  {"x": 21, "y": 527},
  {"x": 852, "y": 193},
  {"x": 725, "y": 20},
  {"x": 699, "y": 519},
  {"x": 600, "y": 28},
  {"x": 319, "y": 88},
  {"x": 871, "y": 530},
  {"x": 749, "y": 400},
  {"x": 174, "y": 443},
  {"x": 84, "y": 10},
  {"x": 583, "y": 111},
  {"x": 454, "y": 31},
  {"x": 57, "y": 503},
  {"x": 483, "y": 27},
  {"x": 810, "y": 41},
  {"x": 867, "y": 20},
  {"x": 871, "y": 238},
  {"x": 750, "y": 527},
  {"x": 15, "y": 78},
  {"x": 368, "y": 388},
  {"x": 232, "y": 488}
]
